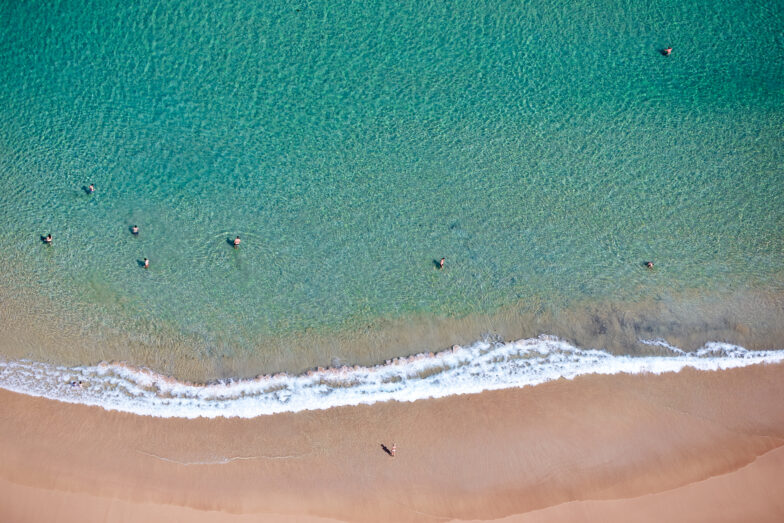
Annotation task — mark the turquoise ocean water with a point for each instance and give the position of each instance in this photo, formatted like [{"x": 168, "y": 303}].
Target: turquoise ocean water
[{"x": 546, "y": 149}]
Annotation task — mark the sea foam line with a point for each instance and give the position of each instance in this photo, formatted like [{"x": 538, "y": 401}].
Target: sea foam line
[{"x": 482, "y": 366}]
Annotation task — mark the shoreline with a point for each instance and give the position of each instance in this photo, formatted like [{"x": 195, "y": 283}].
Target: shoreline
[
  {"x": 483, "y": 366},
  {"x": 751, "y": 318},
  {"x": 498, "y": 454}
]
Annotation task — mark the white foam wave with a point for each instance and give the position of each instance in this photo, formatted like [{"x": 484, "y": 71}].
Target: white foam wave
[{"x": 461, "y": 370}]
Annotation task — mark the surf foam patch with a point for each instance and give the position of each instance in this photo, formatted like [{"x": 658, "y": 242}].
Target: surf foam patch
[{"x": 482, "y": 366}]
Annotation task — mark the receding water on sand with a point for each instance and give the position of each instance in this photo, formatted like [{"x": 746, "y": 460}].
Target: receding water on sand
[{"x": 482, "y": 366}]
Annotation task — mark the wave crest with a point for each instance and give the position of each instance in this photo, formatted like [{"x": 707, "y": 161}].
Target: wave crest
[{"x": 485, "y": 365}]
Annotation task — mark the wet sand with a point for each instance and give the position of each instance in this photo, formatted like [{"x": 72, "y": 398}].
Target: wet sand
[{"x": 693, "y": 444}]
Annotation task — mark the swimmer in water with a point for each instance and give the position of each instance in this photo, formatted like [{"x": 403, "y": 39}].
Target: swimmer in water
[
  {"x": 146, "y": 263},
  {"x": 91, "y": 188},
  {"x": 135, "y": 230},
  {"x": 649, "y": 264},
  {"x": 48, "y": 239},
  {"x": 236, "y": 242},
  {"x": 667, "y": 51}
]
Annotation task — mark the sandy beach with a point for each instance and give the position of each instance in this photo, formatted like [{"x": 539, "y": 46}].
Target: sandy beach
[
  {"x": 691, "y": 446},
  {"x": 251, "y": 247}
]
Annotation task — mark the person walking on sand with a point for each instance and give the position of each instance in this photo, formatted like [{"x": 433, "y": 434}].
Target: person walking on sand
[
  {"x": 236, "y": 242},
  {"x": 146, "y": 263},
  {"x": 393, "y": 450}
]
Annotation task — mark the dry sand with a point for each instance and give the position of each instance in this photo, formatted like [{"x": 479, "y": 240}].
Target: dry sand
[{"x": 692, "y": 446}]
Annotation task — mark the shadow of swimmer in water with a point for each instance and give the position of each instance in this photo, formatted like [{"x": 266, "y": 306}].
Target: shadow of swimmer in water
[{"x": 235, "y": 244}]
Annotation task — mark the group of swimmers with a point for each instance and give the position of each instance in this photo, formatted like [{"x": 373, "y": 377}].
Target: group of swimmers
[
  {"x": 90, "y": 189},
  {"x": 236, "y": 243}
]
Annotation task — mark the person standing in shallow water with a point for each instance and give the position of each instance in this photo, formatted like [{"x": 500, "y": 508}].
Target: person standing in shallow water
[
  {"x": 135, "y": 230},
  {"x": 441, "y": 263},
  {"x": 48, "y": 239},
  {"x": 236, "y": 242},
  {"x": 146, "y": 263}
]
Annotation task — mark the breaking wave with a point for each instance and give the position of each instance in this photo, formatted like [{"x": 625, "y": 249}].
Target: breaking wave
[{"x": 485, "y": 365}]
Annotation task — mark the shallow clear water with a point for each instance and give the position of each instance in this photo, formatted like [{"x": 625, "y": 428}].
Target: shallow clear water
[{"x": 545, "y": 149}]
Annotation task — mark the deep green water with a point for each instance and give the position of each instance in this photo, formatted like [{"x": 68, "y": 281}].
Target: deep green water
[{"x": 546, "y": 149}]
